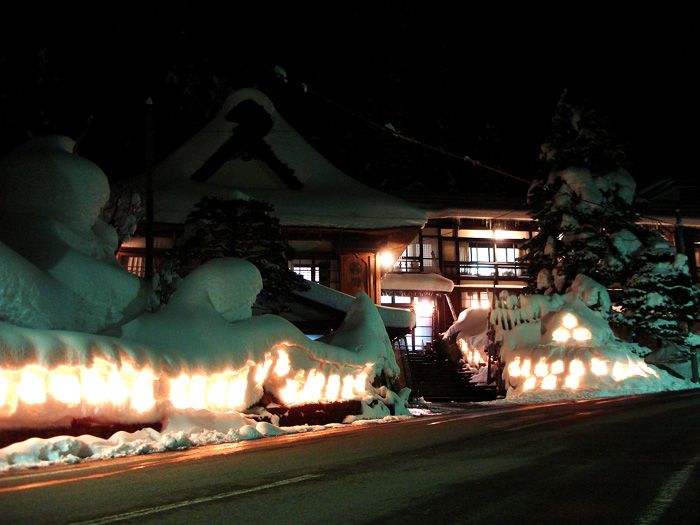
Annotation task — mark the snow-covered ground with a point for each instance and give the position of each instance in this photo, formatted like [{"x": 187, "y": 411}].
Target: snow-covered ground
[{"x": 185, "y": 430}]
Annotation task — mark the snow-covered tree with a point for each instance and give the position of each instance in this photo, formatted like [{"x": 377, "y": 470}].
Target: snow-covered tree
[
  {"x": 658, "y": 299},
  {"x": 244, "y": 229},
  {"x": 124, "y": 209},
  {"x": 582, "y": 205}
]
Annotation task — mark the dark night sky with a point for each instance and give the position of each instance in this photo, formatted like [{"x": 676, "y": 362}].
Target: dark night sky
[{"x": 474, "y": 79}]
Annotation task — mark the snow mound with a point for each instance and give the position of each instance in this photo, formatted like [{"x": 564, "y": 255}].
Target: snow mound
[
  {"x": 52, "y": 238},
  {"x": 45, "y": 178},
  {"x": 39, "y": 452},
  {"x": 228, "y": 286},
  {"x": 557, "y": 347}
]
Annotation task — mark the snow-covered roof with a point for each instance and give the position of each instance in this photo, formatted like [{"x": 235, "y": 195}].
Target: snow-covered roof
[
  {"x": 315, "y": 193},
  {"x": 392, "y": 317},
  {"x": 425, "y": 282}
]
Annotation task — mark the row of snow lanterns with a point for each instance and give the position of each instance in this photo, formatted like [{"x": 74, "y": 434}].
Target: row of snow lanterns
[
  {"x": 126, "y": 387},
  {"x": 549, "y": 376}
]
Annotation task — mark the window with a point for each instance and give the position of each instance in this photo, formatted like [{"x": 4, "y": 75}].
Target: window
[
  {"x": 477, "y": 299},
  {"x": 418, "y": 256},
  {"x": 321, "y": 271},
  {"x": 136, "y": 265},
  {"x": 482, "y": 259}
]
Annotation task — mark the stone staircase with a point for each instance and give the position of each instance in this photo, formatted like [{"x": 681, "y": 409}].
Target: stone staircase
[{"x": 436, "y": 378}]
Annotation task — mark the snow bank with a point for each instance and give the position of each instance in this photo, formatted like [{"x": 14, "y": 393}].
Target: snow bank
[
  {"x": 52, "y": 237},
  {"x": 188, "y": 355},
  {"x": 186, "y": 431},
  {"x": 557, "y": 347}
]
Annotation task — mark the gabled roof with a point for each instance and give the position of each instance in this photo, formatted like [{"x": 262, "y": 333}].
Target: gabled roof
[{"x": 260, "y": 154}]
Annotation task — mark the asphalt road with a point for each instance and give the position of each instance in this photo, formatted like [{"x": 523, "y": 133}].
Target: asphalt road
[{"x": 628, "y": 460}]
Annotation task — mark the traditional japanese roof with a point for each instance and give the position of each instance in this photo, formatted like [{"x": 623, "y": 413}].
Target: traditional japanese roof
[
  {"x": 249, "y": 147},
  {"x": 422, "y": 282}
]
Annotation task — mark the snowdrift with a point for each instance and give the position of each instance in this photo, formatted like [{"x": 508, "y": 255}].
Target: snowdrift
[
  {"x": 201, "y": 358},
  {"x": 57, "y": 264},
  {"x": 562, "y": 347}
]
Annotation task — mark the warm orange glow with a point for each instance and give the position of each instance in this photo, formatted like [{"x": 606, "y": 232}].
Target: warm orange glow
[
  {"x": 386, "y": 260},
  {"x": 571, "y": 381},
  {"x": 541, "y": 368},
  {"x": 424, "y": 308},
  {"x": 179, "y": 389},
  {"x": 525, "y": 368},
  {"x": 283, "y": 365},
  {"x": 64, "y": 386},
  {"x": 569, "y": 321},
  {"x": 599, "y": 367},
  {"x": 558, "y": 366},
  {"x": 32, "y": 385},
  {"x": 619, "y": 372},
  {"x": 235, "y": 394},
  {"x": 549, "y": 382},
  {"x": 290, "y": 392},
  {"x": 484, "y": 304},
  {"x": 197, "y": 393},
  {"x": 582, "y": 334},
  {"x": 348, "y": 383},
  {"x": 577, "y": 368},
  {"x": 262, "y": 371},
  {"x": 4, "y": 390},
  {"x": 142, "y": 391},
  {"x": 332, "y": 387},
  {"x": 561, "y": 335},
  {"x": 529, "y": 383},
  {"x": 514, "y": 367},
  {"x": 361, "y": 383}
]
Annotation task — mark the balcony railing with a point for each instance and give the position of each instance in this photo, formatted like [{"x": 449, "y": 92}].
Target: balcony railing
[{"x": 478, "y": 269}]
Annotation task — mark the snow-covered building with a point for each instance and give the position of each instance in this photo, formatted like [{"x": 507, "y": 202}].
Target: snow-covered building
[
  {"x": 473, "y": 241},
  {"x": 337, "y": 226}
]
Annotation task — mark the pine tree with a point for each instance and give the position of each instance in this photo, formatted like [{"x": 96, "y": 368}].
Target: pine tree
[
  {"x": 582, "y": 204},
  {"x": 658, "y": 300},
  {"x": 245, "y": 229}
]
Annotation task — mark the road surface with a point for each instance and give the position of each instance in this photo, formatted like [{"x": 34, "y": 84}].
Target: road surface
[{"x": 626, "y": 460}]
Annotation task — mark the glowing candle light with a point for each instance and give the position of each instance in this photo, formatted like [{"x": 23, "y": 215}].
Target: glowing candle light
[
  {"x": 569, "y": 321},
  {"x": 582, "y": 334},
  {"x": 142, "y": 398},
  {"x": 197, "y": 393},
  {"x": 262, "y": 371},
  {"x": 577, "y": 368},
  {"x": 178, "y": 391},
  {"x": 572, "y": 382},
  {"x": 31, "y": 388},
  {"x": 525, "y": 368},
  {"x": 599, "y": 367},
  {"x": 541, "y": 368},
  {"x": 237, "y": 388},
  {"x": 561, "y": 335},
  {"x": 558, "y": 366},
  {"x": 217, "y": 391},
  {"x": 549, "y": 382},
  {"x": 333, "y": 387},
  {"x": 514, "y": 367},
  {"x": 118, "y": 390},
  {"x": 95, "y": 386},
  {"x": 4, "y": 390},
  {"x": 529, "y": 383},
  {"x": 348, "y": 383},
  {"x": 361, "y": 383},
  {"x": 290, "y": 392},
  {"x": 282, "y": 366},
  {"x": 64, "y": 386},
  {"x": 619, "y": 372}
]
